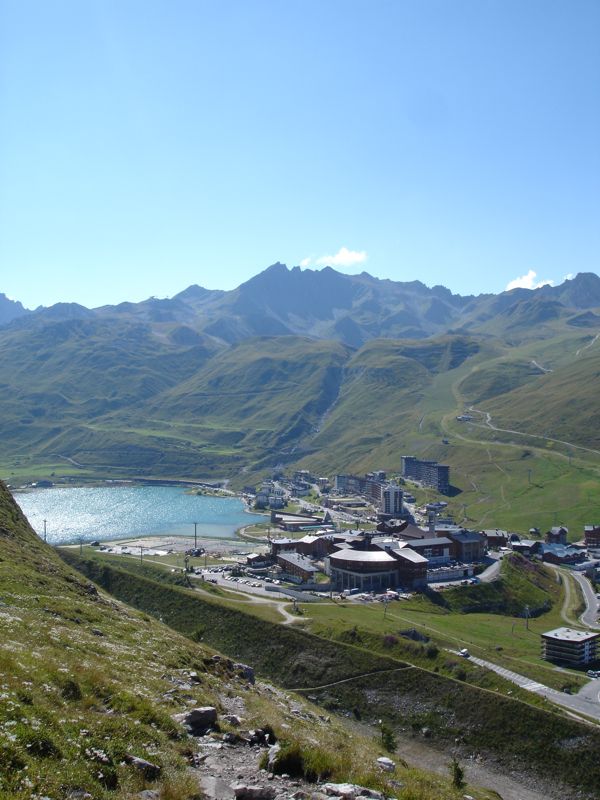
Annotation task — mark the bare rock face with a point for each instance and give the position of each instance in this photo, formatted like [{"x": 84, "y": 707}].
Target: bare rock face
[{"x": 198, "y": 720}]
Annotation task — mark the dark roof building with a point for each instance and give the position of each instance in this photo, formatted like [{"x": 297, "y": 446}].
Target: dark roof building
[
  {"x": 557, "y": 535},
  {"x": 569, "y": 646},
  {"x": 592, "y": 535},
  {"x": 377, "y": 569},
  {"x": 297, "y": 566},
  {"x": 558, "y": 553},
  {"x": 436, "y": 549},
  {"x": 469, "y": 546},
  {"x": 429, "y": 473}
]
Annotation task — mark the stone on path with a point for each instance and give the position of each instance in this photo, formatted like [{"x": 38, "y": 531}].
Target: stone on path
[
  {"x": 215, "y": 788},
  {"x": 198, "y": 720},
  {"x": 244, "y": 792}
]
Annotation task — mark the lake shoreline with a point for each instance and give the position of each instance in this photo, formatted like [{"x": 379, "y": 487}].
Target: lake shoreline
[{"x": 119, "y": 511}]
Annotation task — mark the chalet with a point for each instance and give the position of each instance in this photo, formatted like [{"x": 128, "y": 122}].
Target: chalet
[
  {"x": 314, "y": 546},
  {"x": 469, "y": 546},
  {"x": 557, "y": 535},
  {"x": 496, "y": 538},
  {"x": 524, "y": 547},
  {"x": 437, "y": 550},
  {"x": 282, "y": 545},
  {"x": 258, "y": 560}
]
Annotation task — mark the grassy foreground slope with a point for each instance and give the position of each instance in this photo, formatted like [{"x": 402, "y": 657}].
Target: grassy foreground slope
[
  {"x": 371, "y": 686},
  {"x": 86, "y": 682}
]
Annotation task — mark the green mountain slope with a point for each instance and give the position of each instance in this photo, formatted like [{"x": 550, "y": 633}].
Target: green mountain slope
[
  {"x": 562, "y": 404},
  {"x": 308, "y": 368}
]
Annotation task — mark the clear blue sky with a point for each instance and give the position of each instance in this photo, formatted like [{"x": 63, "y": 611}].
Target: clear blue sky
[{"x": 146, "y": 145}]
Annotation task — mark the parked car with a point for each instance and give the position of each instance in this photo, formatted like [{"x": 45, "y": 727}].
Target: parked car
[{"x": 464, "y": 653}]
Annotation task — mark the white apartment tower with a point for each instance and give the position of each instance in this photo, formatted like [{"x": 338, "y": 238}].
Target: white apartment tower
[{"x": 391, "y": 500}]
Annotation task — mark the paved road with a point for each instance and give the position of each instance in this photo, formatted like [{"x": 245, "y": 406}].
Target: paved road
[
  {"x": 491, "y": 572},
  {"x": 590, "y": 615},
  {"x": 587, "y": 701}
]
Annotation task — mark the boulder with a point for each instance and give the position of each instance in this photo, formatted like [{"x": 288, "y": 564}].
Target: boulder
[
  {"x": 215, "y": 788},
  {"x": 198, "y": 720},
  {"x": 349, "y": 791},
  {"x": 244, "y": 792},
  {"x": 386, "y": 763},
  {"x": 246, "y": 671},
  {"x": 272, "y": 756}
]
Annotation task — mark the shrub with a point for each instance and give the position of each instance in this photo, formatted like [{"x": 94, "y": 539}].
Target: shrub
[
  {"x": 70, "y": 690},
  {"x": 388, "y": 737},
  {"x": 458, "y": 774},
  {"x": 39, "y": 744}
]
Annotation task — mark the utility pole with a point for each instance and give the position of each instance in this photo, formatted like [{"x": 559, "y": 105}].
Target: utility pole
[
  {"x": 195, "y": 535},
  {"x": 141, "y": 553},
  {"x": 527, "y": 617},
  {"x": 81, "y": 545},
  {"x": 529, "y": 476},
  {"x": 45, "y": 539}
]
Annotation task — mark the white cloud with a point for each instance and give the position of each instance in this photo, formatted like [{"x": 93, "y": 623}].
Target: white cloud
[
  {"x": 568, "y": 277},
  {"x": 306, "y": 262},
  {"x": 343, "y": 258},
  {"x": 527, "y": 282}
]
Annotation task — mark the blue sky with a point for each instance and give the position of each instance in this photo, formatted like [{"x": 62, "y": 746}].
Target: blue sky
[{"x": 146, "y": 146}]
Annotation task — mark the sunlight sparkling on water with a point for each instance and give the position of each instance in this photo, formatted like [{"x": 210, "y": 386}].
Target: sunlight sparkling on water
[{"x": 122, "y": 512}]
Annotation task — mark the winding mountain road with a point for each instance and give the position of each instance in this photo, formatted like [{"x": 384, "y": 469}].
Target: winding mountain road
[
  {"x": 589, "y": 617},
  {"x": 489, "y": 424}
]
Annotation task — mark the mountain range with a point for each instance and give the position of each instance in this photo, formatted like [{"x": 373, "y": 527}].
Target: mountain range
[{"x": 311, "y": 368}]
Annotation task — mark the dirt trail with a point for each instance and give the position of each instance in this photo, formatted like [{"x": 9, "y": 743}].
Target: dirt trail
[
  {"x": 487, "y": 423},
  {"x": 587, "y": 346}
]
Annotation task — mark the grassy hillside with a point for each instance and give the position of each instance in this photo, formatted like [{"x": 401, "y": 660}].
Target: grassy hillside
[
  {"x": 522, "y": 583},
  {"x": 87, "y": 682},
  {"x": 562, "y": 404}
]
